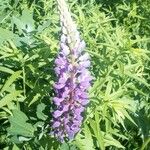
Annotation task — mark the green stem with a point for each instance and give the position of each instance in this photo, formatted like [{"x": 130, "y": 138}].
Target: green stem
[{"x": 24, "y": 81}]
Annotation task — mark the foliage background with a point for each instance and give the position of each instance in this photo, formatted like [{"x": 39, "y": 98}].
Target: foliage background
[{"x": 117, "y": 37}]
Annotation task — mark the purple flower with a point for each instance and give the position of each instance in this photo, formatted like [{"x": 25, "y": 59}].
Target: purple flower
[{"x": 74, "y": 79}]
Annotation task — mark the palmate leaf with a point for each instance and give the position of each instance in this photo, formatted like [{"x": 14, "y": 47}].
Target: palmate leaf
[
  {"x": 120, "y": 107},
  {"x": 19, "y": 126},
  {"x": 25, "y": 22},
  {"x": 104, "y": 139}
]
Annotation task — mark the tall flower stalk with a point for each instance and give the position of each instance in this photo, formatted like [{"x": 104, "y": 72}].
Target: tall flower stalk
[{"x": 74, "y": 79}]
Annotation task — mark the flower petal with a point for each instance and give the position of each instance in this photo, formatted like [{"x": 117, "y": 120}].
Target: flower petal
[
  {"x": 57, "y": 100},
  {"x": 56, "y": 124},
  {"x": 57, "y": 113}
]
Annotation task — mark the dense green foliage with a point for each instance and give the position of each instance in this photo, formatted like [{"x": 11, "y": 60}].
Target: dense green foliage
[{"x": 117, "y": 36}]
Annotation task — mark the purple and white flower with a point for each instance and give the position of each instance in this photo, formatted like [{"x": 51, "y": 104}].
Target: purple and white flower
[{"x": 74, "y": 79}]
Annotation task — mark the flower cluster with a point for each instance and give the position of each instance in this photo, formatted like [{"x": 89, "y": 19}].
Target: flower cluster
[{"x": 73, "y": 79}]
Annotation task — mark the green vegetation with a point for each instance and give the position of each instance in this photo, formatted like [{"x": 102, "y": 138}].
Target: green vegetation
[{"x": 117, "y": 35}]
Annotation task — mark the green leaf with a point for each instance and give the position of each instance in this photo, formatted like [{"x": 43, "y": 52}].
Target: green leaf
[
  {"x": 15, "y": 147},
  {"x": 88, "y": 141},
  {"x": 9, "y": 97},
  {"x": 64, "y": 146},
  {"x": 131, "y": 86},
  {"x": 109, "y": 140},
  {"x": 5, "y": 35},
  {"x": 145, "y": 144},
  {"x": 128, "y": 116},
  {"x": 19, "y": 126},
  {"x": 40, "y": 113},
  {"x": 25, "y": 22},
  {"x": 15, "y": 139},
  {"x": 35, "y": 98},
  {"x": 21, "y": 138},
  {"x": 99, "y": 135},
  {"x": 134, "y": 76},
  {"x": 7, "y": 70},
  {"x": 82, "y": 142},
  {"x": 117, "y": 94},
  {"x": 108, "y": 88},
  {"x": 11, "y": 79}
]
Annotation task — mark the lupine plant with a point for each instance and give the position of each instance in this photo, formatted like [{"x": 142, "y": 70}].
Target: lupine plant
[
  {"x": 51, "y": 52},
  {"x": 73, "y": 78}
]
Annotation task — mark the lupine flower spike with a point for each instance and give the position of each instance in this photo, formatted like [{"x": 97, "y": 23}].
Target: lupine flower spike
[{"x": 74, "y": 79}]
